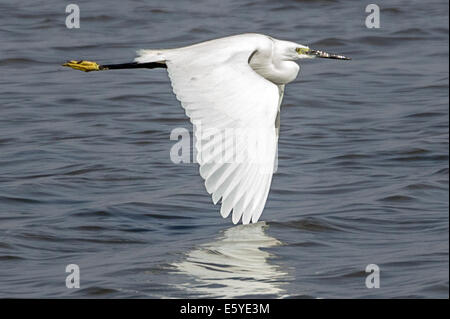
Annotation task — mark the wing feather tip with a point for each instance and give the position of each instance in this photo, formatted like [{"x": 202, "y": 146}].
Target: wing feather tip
[{"x": 255, "y": 218}]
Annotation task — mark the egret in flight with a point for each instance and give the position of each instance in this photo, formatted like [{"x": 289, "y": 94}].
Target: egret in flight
[{"x": 231, "y": 89}]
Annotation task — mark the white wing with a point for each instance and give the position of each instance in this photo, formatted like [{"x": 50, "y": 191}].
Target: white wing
[{"x": 228, "y": 103}]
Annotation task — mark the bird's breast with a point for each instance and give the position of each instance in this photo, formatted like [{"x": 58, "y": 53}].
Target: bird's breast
[{"x": 278, "y": 73}]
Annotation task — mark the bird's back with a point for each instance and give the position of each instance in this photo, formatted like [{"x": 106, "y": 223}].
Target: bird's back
[{"x": 213, "y": 49}]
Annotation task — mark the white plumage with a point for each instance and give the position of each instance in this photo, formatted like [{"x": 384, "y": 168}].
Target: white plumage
[{"x": 231, "y": 89}]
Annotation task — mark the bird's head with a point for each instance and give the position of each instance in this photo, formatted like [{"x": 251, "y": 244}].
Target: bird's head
[
  {"x": 304, "y": 52},
  {"x": 291, "y": 51}
]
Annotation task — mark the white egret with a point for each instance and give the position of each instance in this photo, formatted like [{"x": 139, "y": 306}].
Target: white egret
[{"x": 230, "y": 87}]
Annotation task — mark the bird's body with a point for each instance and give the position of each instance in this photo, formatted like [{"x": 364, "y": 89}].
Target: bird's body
[
  {"x": 265, "y": 55},
  {"x": 231, "y": 89}
]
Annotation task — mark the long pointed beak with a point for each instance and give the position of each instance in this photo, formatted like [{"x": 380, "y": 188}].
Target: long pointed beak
[{"x": 322, "y": 54}]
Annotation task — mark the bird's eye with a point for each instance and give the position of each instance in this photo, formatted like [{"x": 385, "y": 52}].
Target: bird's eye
[{"x": 302, "y": 50}]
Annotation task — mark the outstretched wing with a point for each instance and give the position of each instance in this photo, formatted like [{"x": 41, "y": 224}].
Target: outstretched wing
[{"x": 234, "y": 112}]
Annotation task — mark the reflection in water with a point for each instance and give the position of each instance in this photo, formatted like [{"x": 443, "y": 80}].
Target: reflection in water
[{"x": 234, "y": 265}]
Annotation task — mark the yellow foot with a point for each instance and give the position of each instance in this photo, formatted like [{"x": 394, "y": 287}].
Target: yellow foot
[{"x": 85, "y": 66}]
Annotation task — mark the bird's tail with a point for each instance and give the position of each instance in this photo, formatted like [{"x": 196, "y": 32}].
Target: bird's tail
[{"x": 146, "y": 56}]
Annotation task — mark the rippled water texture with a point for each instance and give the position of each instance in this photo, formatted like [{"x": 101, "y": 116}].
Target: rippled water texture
[{"x": 85, "y": 174}]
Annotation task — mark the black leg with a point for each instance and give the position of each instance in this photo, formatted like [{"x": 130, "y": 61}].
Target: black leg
[
  {"x": 134, "y": 65},
  {"x": 88, "y": 66}
]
